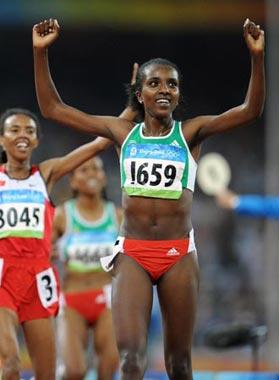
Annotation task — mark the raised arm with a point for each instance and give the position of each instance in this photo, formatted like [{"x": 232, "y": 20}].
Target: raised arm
[
  {"x": 50, "y": 103},
  {"x": 52, "y": 170},
  {"x": 253, "y": 104},
  {"x": 128, "y": 113}
]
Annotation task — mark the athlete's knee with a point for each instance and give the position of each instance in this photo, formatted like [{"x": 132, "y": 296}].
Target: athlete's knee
[
  {"x": 106, "y": 371},
  {"x": 74, "y": 374},
  {"x": 107, "y": 366},
  {"x": 9, "y": 357},
  {"x": 179, "y": 367},
  {"x": 45, "y": 373},
  {"x": 10, "y": 367},
  {"x": 109, "y": 360},
  {"x": 133, "y": 363}
]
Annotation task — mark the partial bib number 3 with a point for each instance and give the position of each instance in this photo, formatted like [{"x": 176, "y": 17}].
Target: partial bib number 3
[{"x": 47, "y": 287}]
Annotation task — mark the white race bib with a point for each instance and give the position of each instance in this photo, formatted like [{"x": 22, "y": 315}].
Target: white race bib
[
  {"x": 22, "y": 214},
  {"x": 22, "y": 220},
  {"x": 154, "y": 170},
  {"x": 47, "y": 287}
]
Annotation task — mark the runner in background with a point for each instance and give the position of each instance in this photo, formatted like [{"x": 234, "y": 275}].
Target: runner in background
[
  {"x": 87, "y": 226},
  {"x": 29, "y": 287},
  {"x": 85, "y": 229}
]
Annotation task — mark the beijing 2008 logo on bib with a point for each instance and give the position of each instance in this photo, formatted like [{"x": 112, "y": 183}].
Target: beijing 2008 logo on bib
[{"x": 133, "y": 151}]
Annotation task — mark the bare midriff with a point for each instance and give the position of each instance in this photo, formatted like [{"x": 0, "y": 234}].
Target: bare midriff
[
  {"x": 82, "y": 281},
  {"x": 157, "y": 219}
]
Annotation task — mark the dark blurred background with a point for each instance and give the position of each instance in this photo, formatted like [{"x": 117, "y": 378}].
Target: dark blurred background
[{"x": 91, "y": 62}]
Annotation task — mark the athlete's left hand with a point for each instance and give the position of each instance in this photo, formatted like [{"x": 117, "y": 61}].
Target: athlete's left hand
[
  {"x": 45, "y": 33},
  {"x": 254, "y": 37}
]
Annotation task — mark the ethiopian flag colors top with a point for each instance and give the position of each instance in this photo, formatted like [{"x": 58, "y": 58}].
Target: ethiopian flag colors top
[
  {"x": 84, "y": 242},
  {"x": 157, "y": 167}
]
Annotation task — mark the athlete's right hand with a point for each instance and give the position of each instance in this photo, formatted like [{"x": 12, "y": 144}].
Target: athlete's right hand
[{"x": 45, "y": 33}]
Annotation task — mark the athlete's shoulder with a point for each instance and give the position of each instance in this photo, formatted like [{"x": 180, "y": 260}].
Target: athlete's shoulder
[
  {"x": 191, "y": 122},
  {"x": 69, "y": 203},
  {"x": 190, "y": 127},
  {"x": 35, "y": 169}
]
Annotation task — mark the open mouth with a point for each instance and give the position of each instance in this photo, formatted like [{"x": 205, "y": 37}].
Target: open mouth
[
  {"x": 92, "y": 183},
  {"x": 22, "y": 146},
  {"x": 163, "y": 102}
]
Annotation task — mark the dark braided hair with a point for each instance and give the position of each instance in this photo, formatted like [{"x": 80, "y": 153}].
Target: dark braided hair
[
  {"x": 132, "y": 89},
  {"x": 16, "y": 111}
]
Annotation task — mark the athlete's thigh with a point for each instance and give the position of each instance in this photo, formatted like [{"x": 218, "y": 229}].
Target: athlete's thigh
[
  {"x": 178, "y": 293},
  {"x": 104, "y": 338},
  {"x": 40, "y": 341},
  {"x": 131, "y": 302},
  {"x": 8, "y": 333},
  {"x": 72, "y": 331}
]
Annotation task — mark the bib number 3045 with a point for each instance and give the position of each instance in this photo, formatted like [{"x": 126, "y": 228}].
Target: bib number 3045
[
  {"x": 47, "y": 287},
  {"x": 12, "y": 216}
]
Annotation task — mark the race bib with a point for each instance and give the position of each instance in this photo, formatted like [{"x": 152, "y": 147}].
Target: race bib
[
  {"x": 89, "y": 253},
  {"x": 154, "y": 170},
  {"x": 22, "y": 213},
  {"x": 47, "y": 287},
  {"x": 85, "y": 249}
]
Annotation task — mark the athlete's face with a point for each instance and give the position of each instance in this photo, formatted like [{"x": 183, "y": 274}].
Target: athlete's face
[
  {"x": 89, "y": 178},
  {"x": 160, "y": 90},
  {"x": 19, "y": 137}
]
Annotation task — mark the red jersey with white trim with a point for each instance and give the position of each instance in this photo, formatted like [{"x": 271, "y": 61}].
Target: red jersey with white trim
[{"x": 26, "y": 216}]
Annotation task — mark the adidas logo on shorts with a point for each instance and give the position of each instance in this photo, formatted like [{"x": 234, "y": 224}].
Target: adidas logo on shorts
[
  {"x": 173, "y": 252},
  {"x": 100, "y": 299}
]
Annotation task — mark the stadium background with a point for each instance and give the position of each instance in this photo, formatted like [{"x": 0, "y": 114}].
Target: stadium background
[{"x": 92, "y": 61}]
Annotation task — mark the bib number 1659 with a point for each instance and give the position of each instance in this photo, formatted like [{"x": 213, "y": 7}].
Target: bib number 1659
[{"x": 152, "y": 174}]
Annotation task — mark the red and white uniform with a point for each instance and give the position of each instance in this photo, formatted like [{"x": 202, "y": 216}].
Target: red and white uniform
[{"x": 28, "y": 283}]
